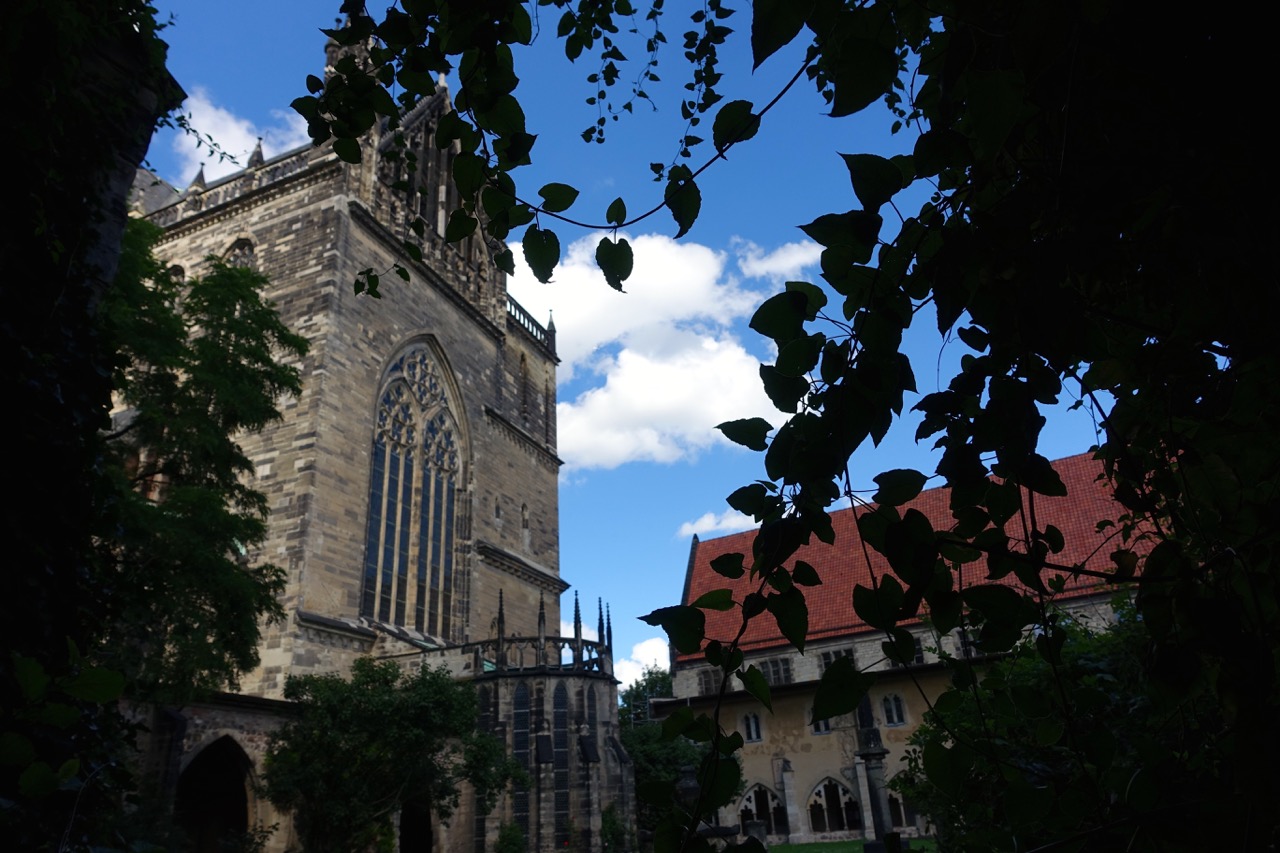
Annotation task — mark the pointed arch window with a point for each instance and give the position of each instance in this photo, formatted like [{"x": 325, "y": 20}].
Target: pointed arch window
[
  {"x": 241, "y": 254},
  {"x": 415, "y": 472},
  {"x": 520, "y": 748},
  {"x": 832, "y": 808},
  {"x": 763, "y": 805},
  {"x": 560, "y": 747}
]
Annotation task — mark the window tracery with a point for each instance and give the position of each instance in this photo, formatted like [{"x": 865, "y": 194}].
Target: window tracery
[
  {"x": 832, "y": 808},
  {"x": 414, "y": 484}
]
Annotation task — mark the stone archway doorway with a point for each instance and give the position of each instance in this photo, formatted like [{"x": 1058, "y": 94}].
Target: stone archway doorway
[{"x": 212, "y": 801}]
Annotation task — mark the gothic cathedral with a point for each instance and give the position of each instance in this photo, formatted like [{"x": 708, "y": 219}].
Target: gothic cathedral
[{"x": 413, "y": 494}]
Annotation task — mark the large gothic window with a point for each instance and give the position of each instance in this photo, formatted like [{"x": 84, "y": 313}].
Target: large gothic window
[{"x": 410, "y": 551}]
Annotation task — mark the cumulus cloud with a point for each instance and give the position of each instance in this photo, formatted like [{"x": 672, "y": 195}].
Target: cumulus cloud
[
  {"x": 661, "y": 406},
  {"x": 674, "y": 285},
  {"x": 652, "y": 370},
  {"x": 784, "y": 263},
  {"x": 648, "y": 653},
  {"x": 235, "y": 135},
  {"x": 729, "y": 521}
]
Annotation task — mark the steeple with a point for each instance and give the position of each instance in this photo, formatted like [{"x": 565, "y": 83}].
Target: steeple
[
  {"x": 256, "y": 158},
  {"x": 197, "y": 183}
]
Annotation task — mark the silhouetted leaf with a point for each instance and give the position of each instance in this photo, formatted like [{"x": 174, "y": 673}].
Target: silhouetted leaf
[
  {"x": 898, "y": 486},
  {"x": 716, "y": 599},
  {"x": 754, "y": 683},
  {"x": 557, "y": 197},
  {"x": 684, "y": 625},
  {"x": 682, "y": 198},
  {"x": 541, "y": 252},
  {"x": 841, "y": 689},
  {"x": 615, "y": 261},
  {"x": 875, "y": 179},
  {"x": 734, "y": 123},
  {"x": 749, "y": 432}
]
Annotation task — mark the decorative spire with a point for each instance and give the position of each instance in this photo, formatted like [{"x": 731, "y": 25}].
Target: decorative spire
[
  {"x": 577, "y": 619},
  {"x": 600, "y": 620},
  {"x": 255, "y": 159},
  {"x": 608, "y": 628},
  {"x": 542, "y": 615},
  {"x": 197, "y": 183},
  {"x": 502, "y": 619}
]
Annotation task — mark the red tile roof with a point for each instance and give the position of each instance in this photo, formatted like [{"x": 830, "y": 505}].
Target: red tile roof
[{"x": 842, "y": 566}]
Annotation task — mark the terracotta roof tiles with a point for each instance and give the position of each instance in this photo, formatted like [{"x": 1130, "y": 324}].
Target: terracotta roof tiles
[{"x": 842, "y": 566}]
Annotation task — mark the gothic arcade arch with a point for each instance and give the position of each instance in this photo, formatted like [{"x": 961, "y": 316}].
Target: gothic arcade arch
[
  {"x": 833, "y": 808},
  {"x": 212, "y": 803},
  {"x": 760, "y": 803},
  {"x": 413, "y": 569}
]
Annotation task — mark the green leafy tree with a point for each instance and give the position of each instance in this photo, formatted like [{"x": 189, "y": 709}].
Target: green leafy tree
[
  {"x": 657, "y": 760},
  {"x": 988, "y": 764},
  {"x": 1087, "y": 236},
  {"x": 196, "y": 365},
  {"x": 193, "y": 366},
  {"x": 386, "y": 742}
]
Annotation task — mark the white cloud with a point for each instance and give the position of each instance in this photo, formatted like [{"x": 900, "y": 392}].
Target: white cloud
[
  {"x": 673, "y": 285},
  {"x": 729, "y": 521},
  {"x": 782, "y": 264},
  {"x": 660, "y": 363},
  {"x": 661, "y": 406},
  {"x": 652, "y": 652},
  {"x": 235, "y": 135}
]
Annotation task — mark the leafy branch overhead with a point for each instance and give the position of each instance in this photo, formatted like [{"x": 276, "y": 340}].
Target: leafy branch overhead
[{"x": 1087, "y": 238}]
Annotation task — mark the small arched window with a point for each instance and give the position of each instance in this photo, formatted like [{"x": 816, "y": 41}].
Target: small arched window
[
  {"x": 894, "y": 711},
  {"x": 241, "y": 254},
  {"x": 751, "y": 732}
]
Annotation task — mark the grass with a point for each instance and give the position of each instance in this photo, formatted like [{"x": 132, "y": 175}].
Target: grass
[{"x": 848, "y": 846}]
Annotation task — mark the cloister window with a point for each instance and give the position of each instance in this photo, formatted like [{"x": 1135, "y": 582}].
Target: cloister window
[
  {"x": 751, "y": 728},
  {"x": 830, "y": 657},
  {"x": 763, "y": 805},
  {"x": 415, "y": 471},
  {"x": 832, "y": 808},
  {"x": 894, "y": 712},
  {"x": 776, "y": 671}
]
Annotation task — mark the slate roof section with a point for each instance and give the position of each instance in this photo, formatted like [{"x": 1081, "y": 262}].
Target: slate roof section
[{"x": 842, "y": 566}]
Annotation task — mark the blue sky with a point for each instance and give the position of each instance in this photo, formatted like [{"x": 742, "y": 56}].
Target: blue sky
[{"x": 645, "y": 375}]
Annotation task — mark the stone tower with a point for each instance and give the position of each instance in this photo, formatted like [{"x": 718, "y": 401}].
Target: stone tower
[{"x": 412, "y": 485}]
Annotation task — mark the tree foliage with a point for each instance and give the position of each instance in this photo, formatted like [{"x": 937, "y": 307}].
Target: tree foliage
[
  {"x": 363, "y": 750},
  {"x": 196, "y": 365},
  {"x": 1088, "y": 236},
  {"x": 1000, "y": 766},
  {"x": 658, "y": 761},
  {"x": 193, "y": 366}
]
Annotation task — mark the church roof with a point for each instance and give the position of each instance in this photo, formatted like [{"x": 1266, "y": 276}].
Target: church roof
[{"x": 843, "y": 566}]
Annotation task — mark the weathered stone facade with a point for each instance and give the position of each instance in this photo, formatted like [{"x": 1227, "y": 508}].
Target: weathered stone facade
[{"x": 413, "y": 483}]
